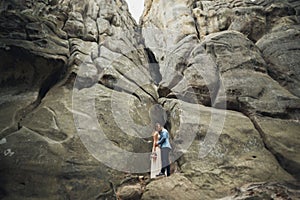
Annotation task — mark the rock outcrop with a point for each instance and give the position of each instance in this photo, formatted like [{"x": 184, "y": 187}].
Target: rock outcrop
[
  {"x": 265, "y": 191},
  {"x": 82, "y": 85},
  {"x": 50, "y": 51},
  {"x": 239, "y": 155}
]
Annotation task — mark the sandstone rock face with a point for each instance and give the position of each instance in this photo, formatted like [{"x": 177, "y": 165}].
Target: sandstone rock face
[
  {"x": 187, "y": 71},
  {"x": 239, "y": 152},
  {"x": 235, "y": 35},
  {"x": 48, "y": 49},
  {"x": 175, "y": 187},
  {"x": 130, "y": 192},
  {"x": 274, "y": 25},
  {"x": 281, "y": 137},
  {"x": 265, "y": 191},
  {"x": 279, "y": 48},
  {"x": 82, "y": 85},
  {"x": 248, "y": 87}
]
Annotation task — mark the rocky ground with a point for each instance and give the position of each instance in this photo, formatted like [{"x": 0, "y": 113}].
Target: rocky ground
[{"x": 82, "y": 84}]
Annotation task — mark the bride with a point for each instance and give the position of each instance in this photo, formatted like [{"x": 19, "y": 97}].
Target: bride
[{"x": 155, "y": 156}]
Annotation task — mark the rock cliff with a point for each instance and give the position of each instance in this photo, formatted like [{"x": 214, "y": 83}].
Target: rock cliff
[{"x": 82, "y": 84}]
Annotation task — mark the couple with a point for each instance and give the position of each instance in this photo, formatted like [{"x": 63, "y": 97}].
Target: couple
[{"x": 160, "y": 152}]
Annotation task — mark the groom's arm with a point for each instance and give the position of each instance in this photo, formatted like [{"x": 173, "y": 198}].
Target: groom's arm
[{"x": 162, "y": 138}]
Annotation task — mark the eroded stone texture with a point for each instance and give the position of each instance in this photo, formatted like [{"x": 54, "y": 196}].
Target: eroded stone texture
[
  {"x": 281, "y": 137},
  {"x": 248, "y": 88},
  {"x": 266, "y": 190},
  {"x": 274, "y": 25},
  {"x": 280, "y": 49},
  {"x": 177, "y": 184},
  {"x": 252, "y": 18},
  {"x": 187, "y": 71},
  {"x": 49, "y": 48},
  {"x": 249, "y": 51},
  {"x": 224, "y": 154}
]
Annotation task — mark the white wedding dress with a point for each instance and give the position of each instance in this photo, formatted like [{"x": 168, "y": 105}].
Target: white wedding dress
[{"x": 155, "y": 163}]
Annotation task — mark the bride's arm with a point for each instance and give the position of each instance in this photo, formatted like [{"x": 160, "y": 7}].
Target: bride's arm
[{"x": 154, "y": 136}]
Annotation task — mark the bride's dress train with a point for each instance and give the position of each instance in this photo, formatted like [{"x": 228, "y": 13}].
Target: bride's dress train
[{"x": 155, "y": 163}]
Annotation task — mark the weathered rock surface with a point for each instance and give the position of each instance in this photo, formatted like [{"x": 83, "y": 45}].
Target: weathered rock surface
[
  {"x": 47, "y": 49},
  {"x": 248, "y": 88},
  {"x": 238, "y": 150},
  {"x": 265, "y": 191},
  {"x": 129, "y": 192},
  {"x": 281, "y": 137},
  {"x": 81, "y": 85},
  {"x": 280, "y": 49},
  {"x": 274, "y": 25},
  {"x": 252, "y": 18},
  {"x": 187, "y": 71},
  {"x": 175, "y": 187},
  {"x": 253, "y": 49}
]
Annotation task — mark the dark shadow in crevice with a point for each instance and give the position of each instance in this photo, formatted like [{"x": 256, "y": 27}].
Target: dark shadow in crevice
[
  {"x": 51, "y": 80},
  {"x": 163, "y": 91},
  {"x": 26, "y": 71},
  {"x": 3, "y": 192},
  {"x": 153, "y": 67}
]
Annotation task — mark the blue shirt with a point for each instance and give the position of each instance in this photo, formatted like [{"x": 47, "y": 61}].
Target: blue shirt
[{"x": 164, "y": 139}]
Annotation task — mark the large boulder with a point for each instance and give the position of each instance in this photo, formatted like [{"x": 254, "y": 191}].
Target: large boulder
[
  {"x": 248, "y": 88},
  {"x": 252, "y": 18},
  {"x": 175, "y": 187},
  {"x": 53, "y": 56},
  {"x": 130, "y": 192},
  {"x": 219, "y": 154},
  {"x": 272, "y": 25},
  {"x": 280, "y": 50},
  {"x": 265, "y": 190},
  {"x": 281, "y": 136}
]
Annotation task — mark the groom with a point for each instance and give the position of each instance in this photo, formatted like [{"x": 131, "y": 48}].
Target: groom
[{"x": 165, "y": 147}]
